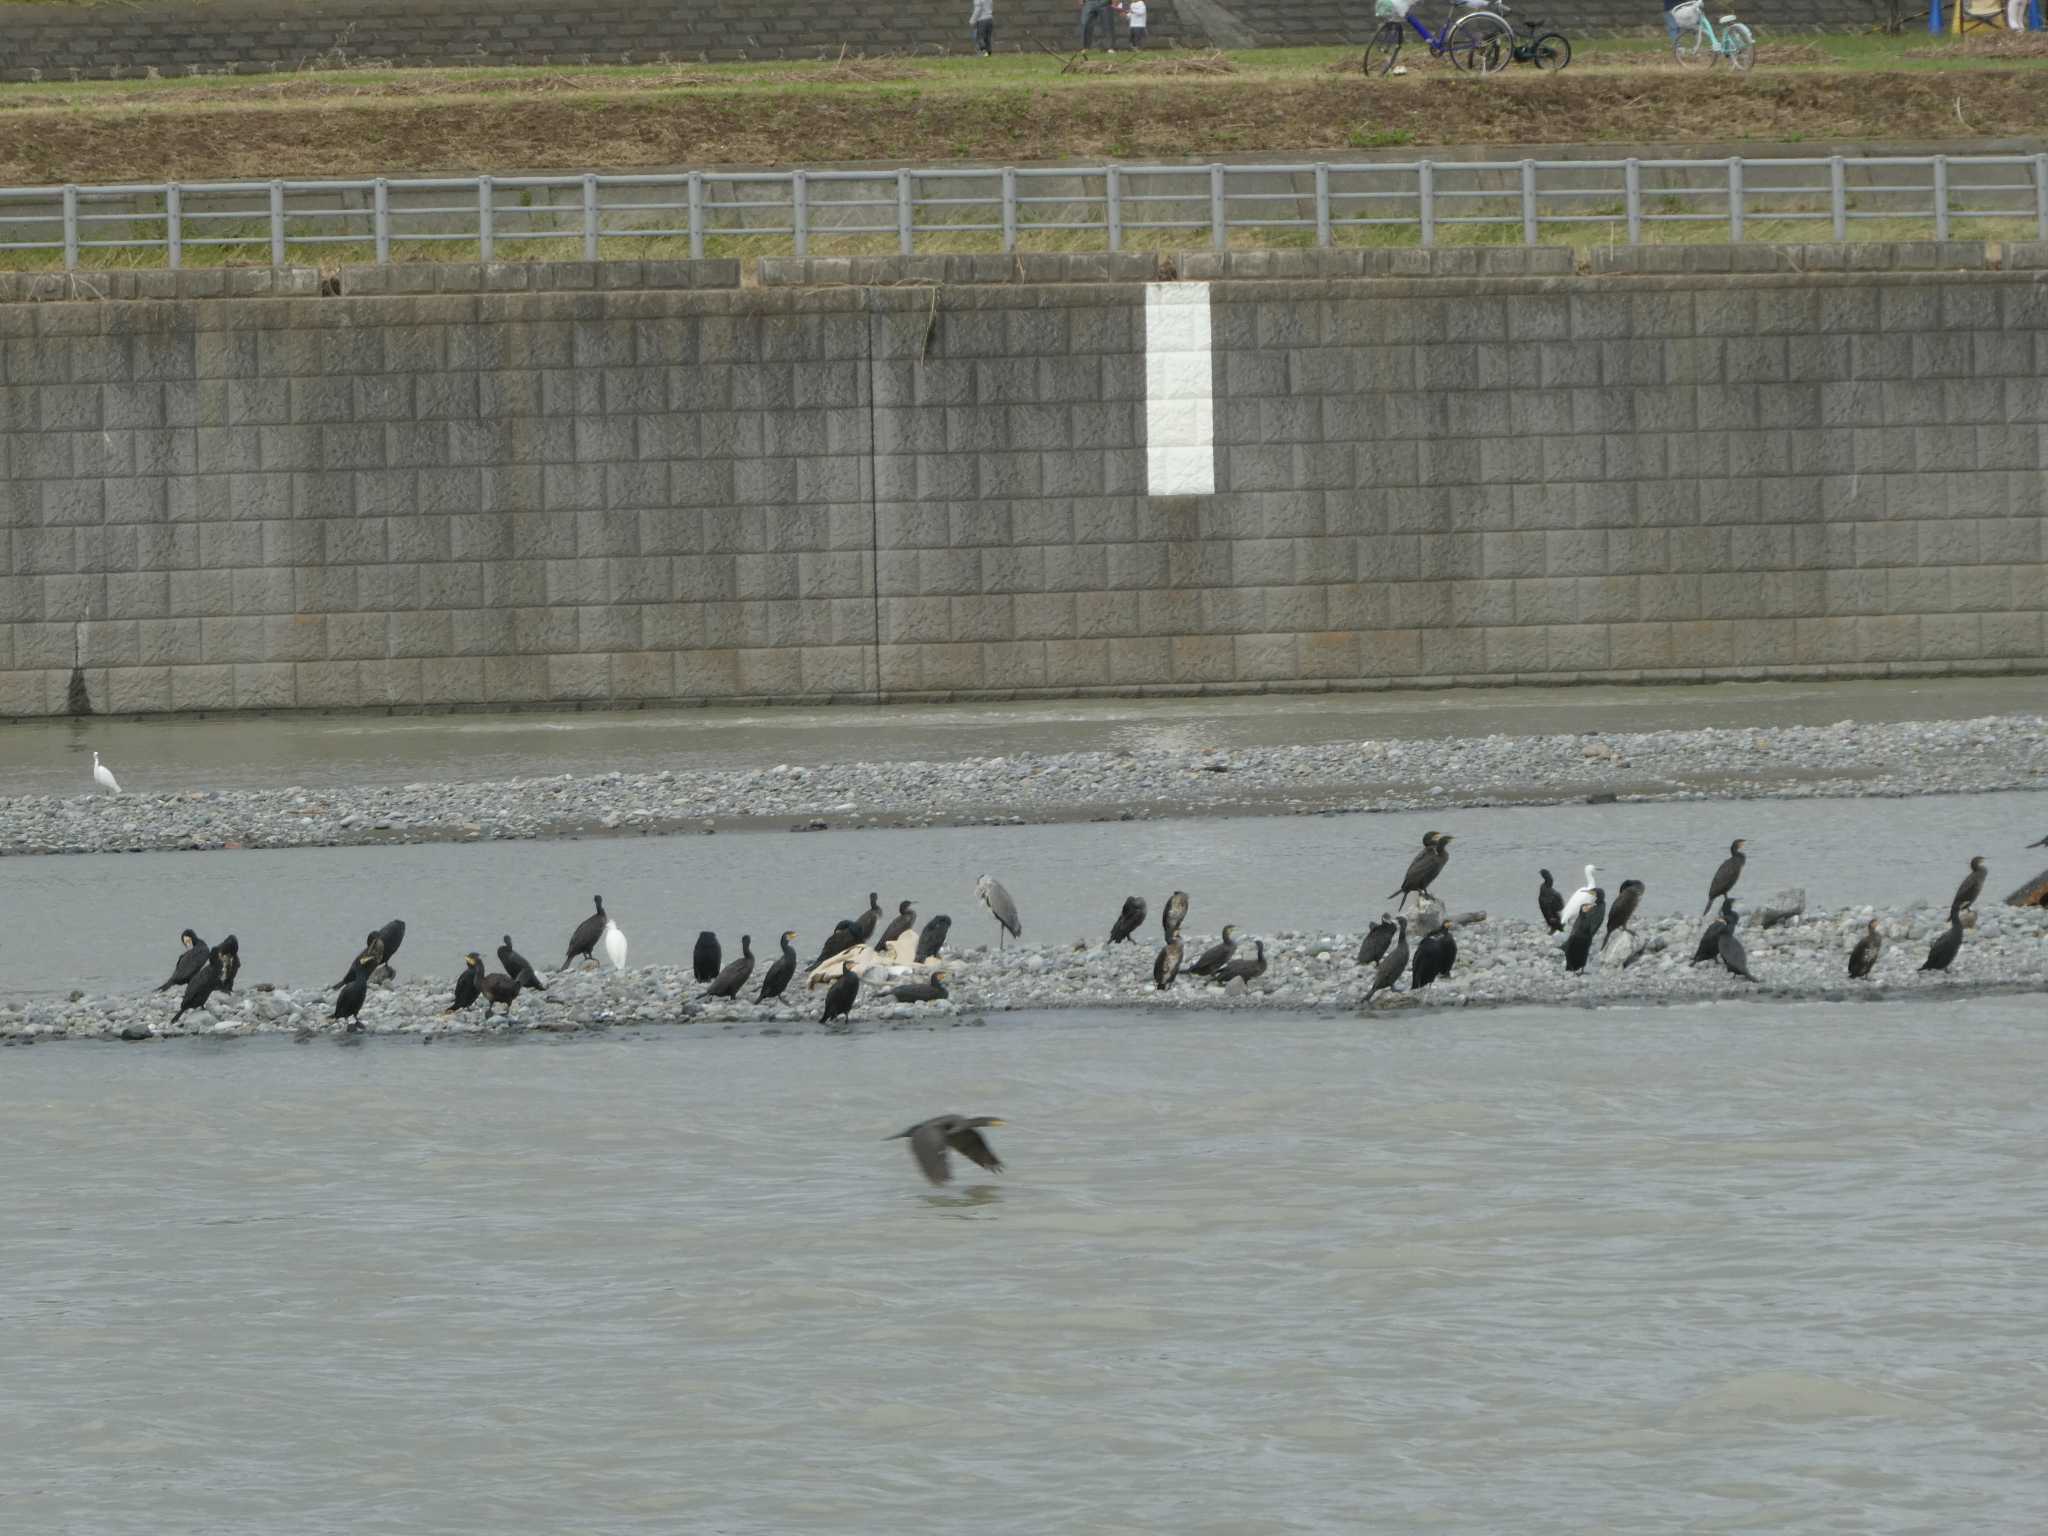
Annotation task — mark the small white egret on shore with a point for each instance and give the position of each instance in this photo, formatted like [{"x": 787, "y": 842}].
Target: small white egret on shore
[
  {"x": 104, "y": 775},
  {"x": 1000, "y": 907},
  {"x": 614, "y": 945},
  {"x": 1581, "y": 898}
]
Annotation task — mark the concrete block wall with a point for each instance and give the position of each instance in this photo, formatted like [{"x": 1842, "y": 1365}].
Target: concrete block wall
[{"x": 610, "y": 494}]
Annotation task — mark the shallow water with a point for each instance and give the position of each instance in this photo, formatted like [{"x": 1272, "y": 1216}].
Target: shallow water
[
  {"x": 1732, "y": 1269},
  {"x": 55, "y": 757},
  {"x": 110, "y": 921}
]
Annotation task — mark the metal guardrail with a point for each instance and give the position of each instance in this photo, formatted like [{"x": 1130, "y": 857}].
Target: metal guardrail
[{"x": 1099, "y": 207}]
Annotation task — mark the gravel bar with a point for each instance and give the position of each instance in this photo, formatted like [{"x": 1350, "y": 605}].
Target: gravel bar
[
  {"x": 1501, "y": 963},
  {"x": 1999, "y": 752}
]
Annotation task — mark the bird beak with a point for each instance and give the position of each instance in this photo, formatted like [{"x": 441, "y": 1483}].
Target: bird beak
[{"x": 998, "y": 1122}]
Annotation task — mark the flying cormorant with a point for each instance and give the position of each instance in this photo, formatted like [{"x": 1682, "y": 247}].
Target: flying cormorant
[
  {"x": 1000, "y": 907},
  {"x": 780, "y": 972},
  {"x": 1945, "y": 948},
  {"x": 1971, "y": 888},
  {"x": 1216, "y": 955},
  {"x": 1550, "y": 902},
  {"x": 1166, "y": 964},
  {"x": 1173, "y": 914},
  {"x": 1726, "y": 876},
  {"x": 1127, "y": 920},
  {"x": 704, "y": 960},
  {"x": 930, "y": 1141},
  {"x": 192, "y": 959},
  {"x": 1388, "y": 972},
  {"x": 1434, "y": 957},
  {"x": 1376, "y": 940},
  {"x": 1863, "y": 958},
  {"x": 1424, "y": 867},
  {"x": 900, "y": 924},
  {"x": 931, "y": 990},
  {"x": 840, "y": 995},
  {"x": 583, "y": 942},
  {"x": 734, "y": 976},
  {"x": 1578, "y": 943},
  {"x": 931, "y": 938},
  {"x": 517, "y": 966}
]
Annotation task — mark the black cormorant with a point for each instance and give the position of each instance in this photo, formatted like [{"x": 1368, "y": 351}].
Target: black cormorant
[
  {"x": 1726, "y": 876},
  {"x": 1127, "y": 920},
  {"x": 192, "y": 958},
  {"x": 517, "y": 966},
  {"x": 734, "y": 976},
  {"x": 1626, "y": 899},
  {"x": 1710, "y": 936},
  {"x": 1166, "y": 964},
  {"x": 1732, "y": 955},
  {"x": 229, "y": 953},
  {"x": 1550, "y": 902},
  {"x": 1971, "y": 888},
  {"x": 200, "y": 987},
  {"x": 349, "y": 1005},
  {"x": 1173, "y": 914},
  {"x": 844, "y": 935},
  {"x": 1388, "y": 972},
  {"x": 1434, "y": 957},
  {"x": 393, "y": 935},
  {"x": 1241, "y": 967},
  {"x": 931, "y": 990},
  {"x": 704, "y": 960},
  {"x": 1376, "y": 940},
  {"x": 583, "y": 942},
  {"x": 930, "y": 1141},
  {"x": 864, "y": 925},
  {"x": 840, "y": 995},
  {"x": 1863, "y": 958},
  {"x": 1218, "y": 954},
  {"x": 1424, "y": 867},
  {"x": 931, "y": 938},
  {"x": 367, "y": 959},
  {"x": 1578, "y": 943},
  {"x": 1945, "y": 949},
  {"x": 780, "y": 972},
  {"x": 900, "y": 924},
  {"x": 498, "y": 992},
  {"x": 466, "y": 983}
]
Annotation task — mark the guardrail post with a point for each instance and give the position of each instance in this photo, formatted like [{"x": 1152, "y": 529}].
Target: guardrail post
[
  {"x": 590, "y": 218},
  {"x": 905, "y": 224},
  {"x": 696, "y": 200},
  {"x": 1425, "y": 200},
  {"x": 486, "y": 227},
  {"x": 1735, "y": 199},
  {"x": 1632, "y": 199},
  {"x": 174, "y": 226},
  {"x": 380, "y": 220},
  {"x": 71, "y": 229},
  {"x": 1528, "y": 202},
  {"x": 1009, "y": 209},
  {"x": 1838, "y": 197},
  {"x": 277, "y": 223},
  {"x": 1322, "y": 205},
  {"x": 2041, "y": 197},
  {"x": 1941, "y": 197},
  {"x": 1219, "y": 215},
  {"x": 1113, "y": 205},
  {"x": 800, "y": 212}
]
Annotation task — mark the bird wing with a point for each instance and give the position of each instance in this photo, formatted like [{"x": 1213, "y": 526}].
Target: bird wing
[
  {"x": 968, "y": 1143},
  {"x": 928, "y": 1146}
]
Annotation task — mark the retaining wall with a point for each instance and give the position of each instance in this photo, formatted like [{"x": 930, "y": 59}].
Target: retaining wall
[
  {"x": 478, "y": 487},
  {"x": 56, "y": 41}
]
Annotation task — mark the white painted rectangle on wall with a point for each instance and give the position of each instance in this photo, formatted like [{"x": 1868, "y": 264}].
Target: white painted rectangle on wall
[{"x": 1180, "y": 391}]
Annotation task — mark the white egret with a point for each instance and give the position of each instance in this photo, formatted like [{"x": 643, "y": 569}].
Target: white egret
[
  {"x": 614, "y": 945},
  {"x": 103, "y": 775}
]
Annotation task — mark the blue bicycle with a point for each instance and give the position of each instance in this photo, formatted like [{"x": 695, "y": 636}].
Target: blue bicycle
[{"x": 1479, "y": 40}]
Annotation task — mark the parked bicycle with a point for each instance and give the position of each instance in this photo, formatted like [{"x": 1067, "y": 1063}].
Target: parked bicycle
[
  {"x": 1546, "y": 50},
  {"x": 1478, "y": 40},
  {"x": 1699, "y": 43}
]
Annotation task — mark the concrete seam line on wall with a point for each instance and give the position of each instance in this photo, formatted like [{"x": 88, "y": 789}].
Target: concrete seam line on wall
[{"x": 1180, "y": 391}]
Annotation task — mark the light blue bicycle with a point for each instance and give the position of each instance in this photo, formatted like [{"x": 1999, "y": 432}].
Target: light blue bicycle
[{"x": 1699, "y": 43}]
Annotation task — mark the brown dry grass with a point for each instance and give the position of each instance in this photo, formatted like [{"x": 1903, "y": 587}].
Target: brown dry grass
[
  {"x": 2000, "y": 45},
  {"x": 314, "y": 128}
]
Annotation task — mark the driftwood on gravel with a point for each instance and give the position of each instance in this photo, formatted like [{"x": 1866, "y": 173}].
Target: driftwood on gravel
[{"x": 2033, "y": 894}]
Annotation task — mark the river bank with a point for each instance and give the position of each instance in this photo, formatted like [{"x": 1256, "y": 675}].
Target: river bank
[
  {"x": 1848, "y": 758},
  {"x": 1502, "y": 962}
]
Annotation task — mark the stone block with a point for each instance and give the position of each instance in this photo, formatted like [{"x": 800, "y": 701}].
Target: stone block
[{"x": 202, "y": 687}]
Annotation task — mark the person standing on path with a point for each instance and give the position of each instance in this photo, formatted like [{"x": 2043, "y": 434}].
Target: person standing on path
[
  {"x": 982, "y": 22},
  {"x": 1093, "y": 11},
  {"x": 1135, "y": 12}
]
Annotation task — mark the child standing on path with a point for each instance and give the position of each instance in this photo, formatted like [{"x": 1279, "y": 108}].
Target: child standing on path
[
  {"x": 982, "y": 22},
  {"x": 1136, "y": 11}
]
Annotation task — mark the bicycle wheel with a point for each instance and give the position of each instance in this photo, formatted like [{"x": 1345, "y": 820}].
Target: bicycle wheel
[
  {"x": 1691, "y": 47},
  {"x": 1551, "y": 51},
  {"x": 1481, "y": 43},
  {"x": 1384, "y": 48},
  {"x": 1740, "y": 46}
]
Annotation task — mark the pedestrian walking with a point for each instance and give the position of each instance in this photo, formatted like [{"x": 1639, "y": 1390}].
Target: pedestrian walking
[
  {"x": 1094, "y": 12},
  {"x": 981, "y": 21}
]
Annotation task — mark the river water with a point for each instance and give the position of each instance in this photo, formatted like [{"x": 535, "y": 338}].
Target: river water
[
  {"x": 110, "y": 922},
  {"x": 1731, "y": 1269}
]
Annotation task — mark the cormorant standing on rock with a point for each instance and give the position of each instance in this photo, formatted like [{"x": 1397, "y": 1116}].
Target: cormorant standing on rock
[
  {"x": 704, "y": 960},
  {"x": 192, "y": 959},
  {"x": 1732, "y": 954},
  {"x": 517, "y": 966},
  {"x": 349, "y": 1005},
  {"x": 931, "y": 1140},
  {"x": 1434, "y": 957},
  {"x": 228, "y": 953},
  {"x": 844, "y": 935},
  {"x": 466, "y": 983},
  {"x": 1376, "y": 940},
  {"x": 1863, "y": 958},
  {"x": 1578, "y": 943},
  {"x": 1581, "y": 898},
  {"x": 1166, "y": 964},
  {"x": 839, "y": 997},
  {"x": 1173, "y": 914},
  {"x": 1238, "y": 968},
  {"x": 1550, "y": 902},
  {"x": 932, "y": 937},
  {"x": 1127, "y": 920},
  {"x": 780, "y": 972},
  {"x": 1424, "y": 867},
  {"x": 900, "y": 924},
  {"x": 734, "y": 976},
  {"x": 931, "y": 990},
  {"x": 1216, "y": 955},
  {"x": 1392, "y": 963},
  {"x": 1945, "y": 949},
  {"x": 1726, "y": 876},
  {"x": 200, "y": 987},
  {"x": 1626, "y": 900},
  {"x": 1971, "y": 888},
  {"x": 498, "y": 992},
  {"x": 1000, "y": 907},
  {"x": 864, "y": 925},
  {"x": 583, "y": 942},
  {"x": 1710, "y": 936}
]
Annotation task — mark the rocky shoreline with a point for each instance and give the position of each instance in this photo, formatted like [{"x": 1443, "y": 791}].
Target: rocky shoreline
[
  {"x": 1501, "y": 963},
  {"x": 2000, "y": 752}
]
